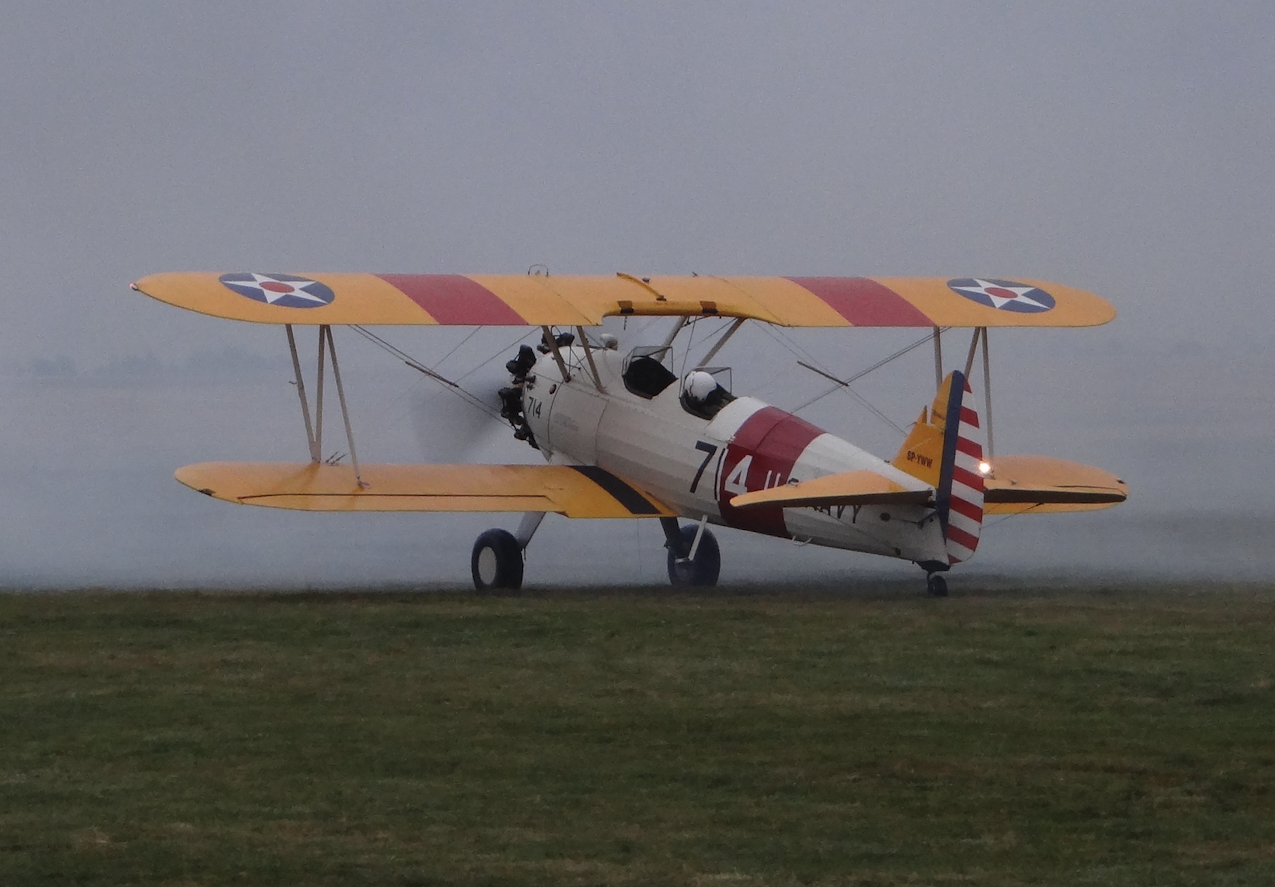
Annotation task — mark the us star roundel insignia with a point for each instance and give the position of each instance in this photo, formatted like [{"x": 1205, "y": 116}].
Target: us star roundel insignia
[
  {"x": 1005, "y": 295},
  {"x": 284, "y": 290}
]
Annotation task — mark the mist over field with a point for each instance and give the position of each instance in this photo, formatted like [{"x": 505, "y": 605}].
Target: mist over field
[
  {"x": 93, "y": 501},
  {"x": 1121, "y": 148}
]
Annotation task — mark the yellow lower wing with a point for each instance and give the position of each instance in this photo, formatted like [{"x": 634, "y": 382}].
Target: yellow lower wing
[
  {"x": 848, "y": 488},
  {"x": 1043, "y": 484},
  {"x": 574, "y": 491}
]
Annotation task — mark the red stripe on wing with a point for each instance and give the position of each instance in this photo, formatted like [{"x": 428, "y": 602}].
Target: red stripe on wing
[
  {"x": 455, "y": 300},
  {"x": 863, "y": 301}
]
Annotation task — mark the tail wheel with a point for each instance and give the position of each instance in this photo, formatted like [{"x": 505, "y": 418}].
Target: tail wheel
[
  {"x": 703, "y": 569},
  {"x": 936, "y": 585},
  {"x": 497, "y": 562}
]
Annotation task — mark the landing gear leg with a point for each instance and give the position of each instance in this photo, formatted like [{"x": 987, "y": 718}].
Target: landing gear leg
[
  {"x": 673, "y": 537},
  {"x": 701, "y": 569},
  {"x": 530, "y": 523}
]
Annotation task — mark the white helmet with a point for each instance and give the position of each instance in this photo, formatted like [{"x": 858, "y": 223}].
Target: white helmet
[{"x": 700, "y": 385}]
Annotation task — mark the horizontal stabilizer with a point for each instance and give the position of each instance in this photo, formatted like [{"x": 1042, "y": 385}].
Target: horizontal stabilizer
[
  {"x": 571, "y": 490},
  {"x": 1044, "y": 484},
  {"x": 849, "y": 488}
]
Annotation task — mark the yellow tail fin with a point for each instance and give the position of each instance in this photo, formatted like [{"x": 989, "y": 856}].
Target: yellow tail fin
[{"x": 922, "y": 453}]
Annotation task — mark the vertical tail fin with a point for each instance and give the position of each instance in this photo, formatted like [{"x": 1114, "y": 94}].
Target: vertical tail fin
[{"x": 945, "y": 450}]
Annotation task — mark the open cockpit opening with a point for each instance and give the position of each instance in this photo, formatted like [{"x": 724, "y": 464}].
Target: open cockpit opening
[{"x": 644, "y": 374}]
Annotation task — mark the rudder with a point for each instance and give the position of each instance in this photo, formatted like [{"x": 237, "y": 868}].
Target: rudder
[{"x": 944, "y": 449}]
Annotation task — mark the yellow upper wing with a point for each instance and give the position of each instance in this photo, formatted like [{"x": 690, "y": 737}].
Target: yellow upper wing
[
  {"x": 575, "y": 491},
  {"x": 521, "y": 300}
]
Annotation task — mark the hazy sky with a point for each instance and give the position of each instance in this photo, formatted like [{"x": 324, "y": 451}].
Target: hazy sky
[{"x": 1120, "y": 147}]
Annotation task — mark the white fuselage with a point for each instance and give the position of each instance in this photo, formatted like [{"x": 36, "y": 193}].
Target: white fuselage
[{"x": 696, "y": 465}]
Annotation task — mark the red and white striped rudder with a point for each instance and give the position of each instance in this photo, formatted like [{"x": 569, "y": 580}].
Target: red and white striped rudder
[{"x": 959, "y": 496}]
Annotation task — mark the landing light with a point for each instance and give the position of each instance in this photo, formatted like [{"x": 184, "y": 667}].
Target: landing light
[{"x": 984, "y": 468}]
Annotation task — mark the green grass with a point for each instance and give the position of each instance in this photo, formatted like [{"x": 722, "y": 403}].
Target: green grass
[{"x": 1004, "y": 736}]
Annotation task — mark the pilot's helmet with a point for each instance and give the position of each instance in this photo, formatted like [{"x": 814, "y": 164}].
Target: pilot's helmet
[{"x": 700, "y": 385}]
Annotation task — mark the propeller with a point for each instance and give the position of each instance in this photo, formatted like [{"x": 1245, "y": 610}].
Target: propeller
[
  {"x": 460, "y": 415},
  {"x": 453, "y": 424}
]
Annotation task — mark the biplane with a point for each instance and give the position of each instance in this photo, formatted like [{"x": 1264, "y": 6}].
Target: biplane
[{"x": 625, "y": 436}]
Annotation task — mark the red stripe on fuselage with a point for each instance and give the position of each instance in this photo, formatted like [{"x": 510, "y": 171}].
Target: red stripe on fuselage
[
  {"x": 454, "y": 300},
  {"x": 775, "y": 440},
  {"x": 863, "y": 301}
]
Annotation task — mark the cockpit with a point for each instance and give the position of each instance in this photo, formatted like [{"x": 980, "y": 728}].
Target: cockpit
[
  {"x": 644, "y": 374},
  {"x": 703, "y": 395},
  {"x": 702, "y": 392}
]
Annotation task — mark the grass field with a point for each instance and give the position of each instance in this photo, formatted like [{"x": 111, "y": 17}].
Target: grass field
[{"x": 1005, "y": 736}]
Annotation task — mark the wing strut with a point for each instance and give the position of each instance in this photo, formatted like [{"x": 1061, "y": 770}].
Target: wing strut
[
  {"x": 980, "y": 336},
  {"x": 969, "y": 358},
  {"x": 672, "y": 334},
  {"x": 314, "y": 430},
  {"x": 340, "y": 393},
  {"x": 938, "y": 358},
  {"x": 552, "y": 342},
  {"x": 987, "y": 393},
  {"x": 318, "y": 407},
  {"x": 305, "y": 402},
  {"x": 712, "y": 352},
  {"x": 588, "y": 355}
]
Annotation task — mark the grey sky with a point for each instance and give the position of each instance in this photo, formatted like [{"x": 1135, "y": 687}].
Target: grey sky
[{"x": 1120, "y": 147}]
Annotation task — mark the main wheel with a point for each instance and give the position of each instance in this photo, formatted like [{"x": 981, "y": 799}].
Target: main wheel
[
  {"x": 936, "y": 585},
  {"x": 704, "y": 568},
  {"x": 497, "y": 561}
]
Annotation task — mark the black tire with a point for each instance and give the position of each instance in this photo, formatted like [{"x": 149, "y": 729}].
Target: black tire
[
  {"x": 707, "y": 564},
  {"x": 496, "y": 564},
  {"x": 936, "y": 585}
]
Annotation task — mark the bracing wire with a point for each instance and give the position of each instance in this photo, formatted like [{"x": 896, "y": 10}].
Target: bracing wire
[
  {"x": 727, "y": 323},
  {"x": 814, "y": 365},
  {"x": 857, "y": 396},
  {"x": 503, "y": 349},
  {"x": 789, "y": 346},
  {"x": 857, "y": 376},
  {"x": 1005, "y": 517},
  {"x": 442, "y": 360},
  {"x": 453, "y": 386}
]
